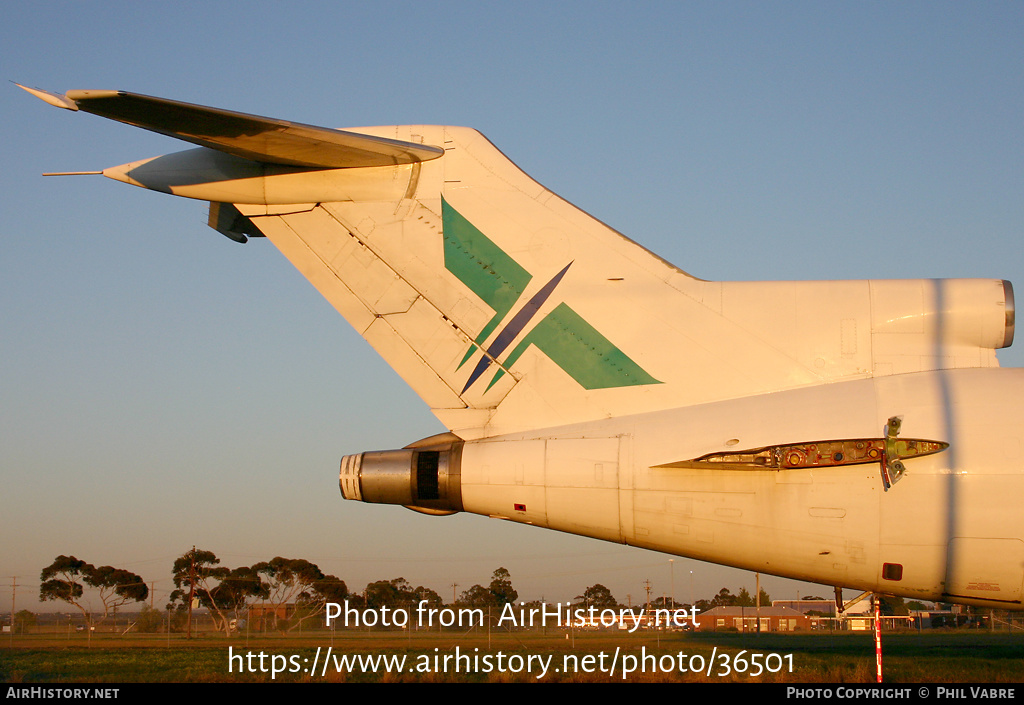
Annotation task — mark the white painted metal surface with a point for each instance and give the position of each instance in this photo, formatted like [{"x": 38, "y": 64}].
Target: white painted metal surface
[{"x": 583, "y": 378}]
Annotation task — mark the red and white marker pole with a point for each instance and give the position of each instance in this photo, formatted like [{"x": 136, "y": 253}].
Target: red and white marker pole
[{"x": 878, "y": 638}]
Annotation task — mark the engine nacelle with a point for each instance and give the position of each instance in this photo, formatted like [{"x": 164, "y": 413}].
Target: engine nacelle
[{"x": 425, "y": 477}]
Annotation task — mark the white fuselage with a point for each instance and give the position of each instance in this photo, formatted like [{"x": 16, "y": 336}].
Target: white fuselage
[{"x": 952, "y": 523}]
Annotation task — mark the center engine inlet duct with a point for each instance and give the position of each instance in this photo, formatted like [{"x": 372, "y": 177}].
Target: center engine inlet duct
[{"x": 426, "y": 478}]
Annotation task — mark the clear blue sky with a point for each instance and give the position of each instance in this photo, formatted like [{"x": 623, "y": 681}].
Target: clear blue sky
[{"x": 161, "y": 386}]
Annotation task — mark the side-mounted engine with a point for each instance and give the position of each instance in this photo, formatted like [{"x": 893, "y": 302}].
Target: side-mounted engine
[{"x": 425, "y": 476}]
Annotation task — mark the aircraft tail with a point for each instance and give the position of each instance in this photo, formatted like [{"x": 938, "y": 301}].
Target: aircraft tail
[
  {"x": 508, "y": 309},
  {"x": 503, "y": 306}
]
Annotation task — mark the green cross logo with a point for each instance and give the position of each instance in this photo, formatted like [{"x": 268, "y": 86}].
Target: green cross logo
[{"x": 563, "y": 335}]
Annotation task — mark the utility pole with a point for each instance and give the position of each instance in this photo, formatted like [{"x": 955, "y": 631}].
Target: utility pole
[
  {"x": 757, "y": 603},
  {"x": 191, "y": 586},
  {"x": 14, "y": 593},
  {"x": 672, "y": 580},
  {"x": 647, "y": 587}
]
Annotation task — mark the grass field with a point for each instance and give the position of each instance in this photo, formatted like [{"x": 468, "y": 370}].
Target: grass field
[{"x": 931, "y": 657}]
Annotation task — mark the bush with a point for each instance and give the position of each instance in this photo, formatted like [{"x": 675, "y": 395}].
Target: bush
[{"x": 150, "y": 620}]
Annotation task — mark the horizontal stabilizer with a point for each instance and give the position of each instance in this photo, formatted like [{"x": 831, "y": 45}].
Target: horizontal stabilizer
[{"x": 249, "y": 136}]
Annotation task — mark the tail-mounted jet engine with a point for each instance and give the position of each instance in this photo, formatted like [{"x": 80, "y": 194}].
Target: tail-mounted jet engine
[{"x": 425, "y": 476}]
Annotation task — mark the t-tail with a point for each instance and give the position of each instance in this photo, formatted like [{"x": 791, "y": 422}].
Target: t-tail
[
  {"x": 589, "y": 386},
  {"x": 507, "y": 308}
]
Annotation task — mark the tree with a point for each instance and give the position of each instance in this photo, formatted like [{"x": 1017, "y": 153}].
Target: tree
[
  {"x": 198, "y": 575},
  {"x": 392, "y": 594},
  {"x": 178, "y": 620},
  {"x": 330, "y": 588},
  {"x": 117, "y": 587},
  {"x": 501, "y": 587},
  {"x": 745, "y": 599},
  {"x": 23, "y": 619},
  {"x": 893, "y": 605},
  {"x": 425, "y": 594},
  {"x": 724, "y": 598},
  {"x": 236, "y": 589},
  {"x": 287, "y": 580},
  {"x": 149, "y": 621},
  {"x": 476, "y": 596},
  {"x": 297, "y": 581},
  {"x": 598, "y": 596},
  {"x": 396, "y": 594},
  {"x": 64, "y": 579},
  {"x": 195, "y": 574}
]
